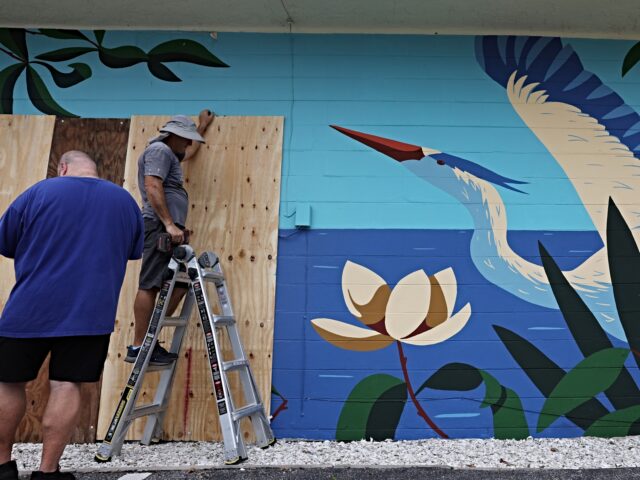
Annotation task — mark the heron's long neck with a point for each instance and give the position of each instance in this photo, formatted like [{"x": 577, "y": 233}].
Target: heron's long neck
[{"x": 489, "y": 246}]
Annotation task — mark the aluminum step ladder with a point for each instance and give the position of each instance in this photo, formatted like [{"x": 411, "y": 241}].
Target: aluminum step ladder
[{"x": 184, "y": 268}]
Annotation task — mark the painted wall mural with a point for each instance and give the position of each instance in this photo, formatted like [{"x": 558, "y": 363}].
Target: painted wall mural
[
  {"x": 471, "y": 266},
  {"x": 77, "y": 44},
  {"x": 594, "y": 136}
]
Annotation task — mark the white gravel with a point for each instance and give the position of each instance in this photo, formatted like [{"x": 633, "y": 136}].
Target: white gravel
[{"x": 530, "y": 453}]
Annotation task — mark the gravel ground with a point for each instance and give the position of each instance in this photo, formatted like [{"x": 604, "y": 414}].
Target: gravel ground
[{"x": 531, "y": 453}]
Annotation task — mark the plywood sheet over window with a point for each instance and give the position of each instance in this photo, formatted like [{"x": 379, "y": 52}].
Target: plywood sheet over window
[
  {"x": 105, "y": 140},
  {"x": 234, "y": 190},
  {"x": 25, "y": 142}
]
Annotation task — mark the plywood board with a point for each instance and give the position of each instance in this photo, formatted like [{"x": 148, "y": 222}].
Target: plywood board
[
  {"x": 105, "y": 140},
  {"x": 234, "y": 190},
  {"x": 25, "y": 142}
]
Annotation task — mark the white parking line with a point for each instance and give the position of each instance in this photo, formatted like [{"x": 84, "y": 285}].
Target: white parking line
[{"x": 135, "y": 476}]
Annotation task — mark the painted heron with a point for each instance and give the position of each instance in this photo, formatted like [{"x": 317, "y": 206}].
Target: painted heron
[{"x": 589, "y": 130}]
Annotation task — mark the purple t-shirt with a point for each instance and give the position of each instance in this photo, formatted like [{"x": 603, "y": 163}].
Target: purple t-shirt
[{"x": 70, "y": 238}]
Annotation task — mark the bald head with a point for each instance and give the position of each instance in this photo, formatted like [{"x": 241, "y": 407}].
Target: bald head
[{"x": 77, "y": 164}]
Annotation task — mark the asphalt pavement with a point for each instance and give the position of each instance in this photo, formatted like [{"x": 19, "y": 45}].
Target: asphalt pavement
[{"x": 366, "y": 473}]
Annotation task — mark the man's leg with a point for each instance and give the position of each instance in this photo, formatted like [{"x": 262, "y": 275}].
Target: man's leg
[
  {"x": 59, "y": 420},
  {"x": 142, "y": 310},
  {"x": 177, "y": 295},
  {"x": 13, "y": 404}
]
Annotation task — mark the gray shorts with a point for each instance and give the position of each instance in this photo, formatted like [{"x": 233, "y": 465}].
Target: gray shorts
[{"x": 154, "y": 262}]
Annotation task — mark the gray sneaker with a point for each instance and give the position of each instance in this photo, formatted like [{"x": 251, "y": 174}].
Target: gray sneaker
[{"x": 159, "y": 356}]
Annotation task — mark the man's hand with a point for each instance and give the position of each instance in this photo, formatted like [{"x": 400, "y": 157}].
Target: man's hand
[
  {"x": 177, "y": 235},
  {"x": 205, "y": 117}
]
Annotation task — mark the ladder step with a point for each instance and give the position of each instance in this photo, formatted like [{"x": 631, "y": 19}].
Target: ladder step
[
  {"x": 234, "y": 364},
  {"x": 212, "y": 276},
  {"x": 159, "y": 368},
  {"x": 175, "y": 321},
  {"x": 247, "y": 411},
  {"x": 223, "y": 320},
  {"x": 183, "y": 278},
  {"x": 145, "y": 410}
]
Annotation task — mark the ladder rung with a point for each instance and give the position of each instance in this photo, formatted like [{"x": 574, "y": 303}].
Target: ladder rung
[
  {"x": 247, "y": 410},
  {"x": 145, "y": 410},
  {"x": 157, "y": 368},
  {"x": 223, "y": 320},
  {"x": 234, "y": 364},
  {"x": 174, "y": 321},
  {"x": 213, "y": 276}
]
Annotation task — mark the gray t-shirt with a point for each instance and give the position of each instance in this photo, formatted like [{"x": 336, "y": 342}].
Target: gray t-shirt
[{"x": 159, "y": 161}]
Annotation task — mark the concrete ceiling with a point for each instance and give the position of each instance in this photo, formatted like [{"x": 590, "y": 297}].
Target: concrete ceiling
[{"x": 569, "y": 18}]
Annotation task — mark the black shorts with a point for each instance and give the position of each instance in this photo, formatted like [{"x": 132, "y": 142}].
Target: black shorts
[
  {"x": 73, "y": 359},
  {"x": 154, "y": 262}
]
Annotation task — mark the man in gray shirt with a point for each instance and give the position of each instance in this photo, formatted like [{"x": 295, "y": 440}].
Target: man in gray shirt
[{"x": 165, "y": 208}]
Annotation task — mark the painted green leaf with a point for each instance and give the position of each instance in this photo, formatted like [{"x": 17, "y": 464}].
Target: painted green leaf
[
  {"x": 79, "y": 73},
  {"x": 183, "y": 50},
  {"x": 493, "y": 390},
  {"x": 615, "y": 424},
  {"x": 508, "y": 416},
  {"x": 586, "y": 330},
  {"x": 65, "y": 54},
  {"x": 99, "y": 36},
  {"x": 160, "y": 71},
  {"x": 453, "y": 376},
  {"x": 15, "y": 40},
  {"x": 631, "y": 58},
  {"x": 40, "y": 96},
  {"x": 508, "y": 419},
  {"x": 624, "y": 266},
  {"x": 275, "y": 391},
  {"x": 546, "y": 374},
  {"x": 373, "y": 409},
  {"x": 121, "y": 57},
  {"x": 8, "y": 78},
  {"x": 61, "y": 34},
  {"x": 588, "y": 378}
]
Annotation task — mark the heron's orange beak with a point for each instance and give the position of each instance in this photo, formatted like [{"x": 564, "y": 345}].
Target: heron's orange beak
[{"x": 397, "y": 150}]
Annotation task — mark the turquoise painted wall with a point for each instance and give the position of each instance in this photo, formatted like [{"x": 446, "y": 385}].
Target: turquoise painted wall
[{"x": 426, "y": 90}]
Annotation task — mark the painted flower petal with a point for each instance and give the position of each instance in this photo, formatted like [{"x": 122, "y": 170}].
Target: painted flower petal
[
  {"x": 408, "y": 304},
  {"x": 444, "y": 331},
  {"x": 365, "y": 293},
  {"x": 447, "y": 280},
  {"x": 350, "y": 337},
  {"x": 443, "y": 297},
  {"x": 437, "y": 308}
]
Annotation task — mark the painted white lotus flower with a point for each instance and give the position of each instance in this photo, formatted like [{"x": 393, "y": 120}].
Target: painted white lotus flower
[{"x": 418, "y": 311}]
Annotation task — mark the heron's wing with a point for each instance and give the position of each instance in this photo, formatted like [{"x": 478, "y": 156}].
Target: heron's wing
[{"x": 586, "y": 126}]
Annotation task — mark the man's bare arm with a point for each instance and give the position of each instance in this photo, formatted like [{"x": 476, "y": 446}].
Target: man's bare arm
[
  {"x": 155, "y": 194},
  {"x": 204, "y": 120}
]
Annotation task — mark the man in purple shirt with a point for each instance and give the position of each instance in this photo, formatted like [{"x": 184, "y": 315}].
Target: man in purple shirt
[{"x": 70, "y": 238}]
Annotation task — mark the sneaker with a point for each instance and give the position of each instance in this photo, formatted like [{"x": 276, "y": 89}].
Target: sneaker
[
  {"x": 159, "y": 356},
  {"x": 9, "y": 471},
  {"x": 57, "y": 475}
]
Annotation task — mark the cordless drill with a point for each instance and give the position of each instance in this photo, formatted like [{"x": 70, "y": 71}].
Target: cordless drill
[{"x": 166, "y": 245}]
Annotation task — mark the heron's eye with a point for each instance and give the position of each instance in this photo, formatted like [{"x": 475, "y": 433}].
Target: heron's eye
[{"x": 440, "y": 162}]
